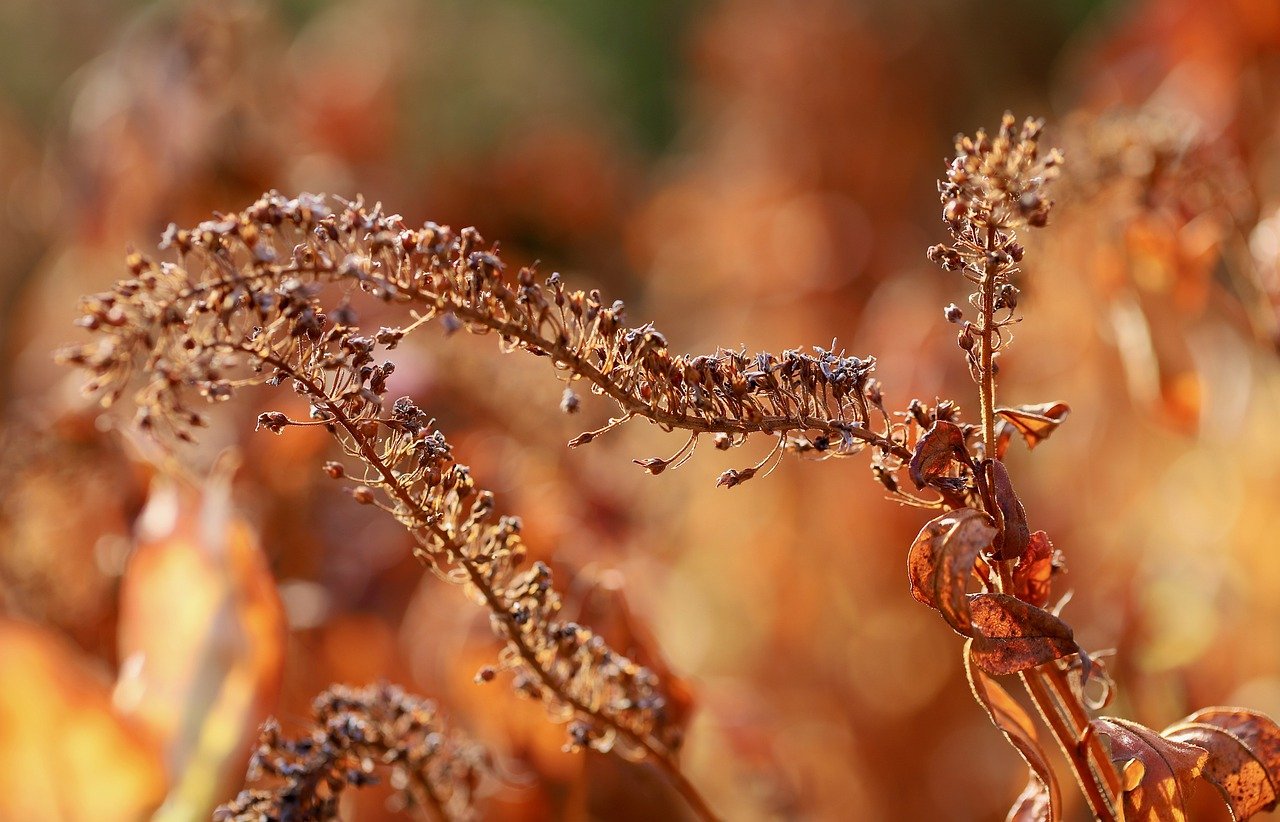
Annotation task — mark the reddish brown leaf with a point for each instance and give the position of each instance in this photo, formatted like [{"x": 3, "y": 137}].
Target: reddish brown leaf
[
  {"x": 1167, "y": 769},
  {"x": 1244, "y": 750},
  {"x": 941, "y": 560},
  {"x": 1011, "y": 635},
  {"x": 1232, "y": 768},
  {"x": 1016, "y": 537},
  {"x": 1256, "y": 730},
  {"x": 936, "y": 450},
  {"x": 1035, "y": 569},
  {"x": 1035, "y": 422},
  {"x": 1042, "y": 798}
]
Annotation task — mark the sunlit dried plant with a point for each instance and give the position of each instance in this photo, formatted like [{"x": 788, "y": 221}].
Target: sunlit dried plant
[
  {"x": 356, "y": 733},
  {"x": 269, "y": 296}
]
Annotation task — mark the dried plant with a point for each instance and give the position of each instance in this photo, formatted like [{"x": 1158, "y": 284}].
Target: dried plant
[
  {"x": 356, "y": 731},
  {"x": 269, "y": 295}
]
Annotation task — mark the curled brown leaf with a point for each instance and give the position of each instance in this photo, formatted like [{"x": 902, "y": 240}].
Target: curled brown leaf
[
  {"x": 1231, "y": 768},
  {"x": 1010, "y": 635},
  {"x": 1167, "y": 768},
  {"x": 1035, "y": 422},
  {"x": 936, "y": 450},
  {"x": 1244, "y": 755},
  {"x": 941, "y": 561},
  {"x": 1034, "y": 570},
  {"x": 1013, "y": 542}
]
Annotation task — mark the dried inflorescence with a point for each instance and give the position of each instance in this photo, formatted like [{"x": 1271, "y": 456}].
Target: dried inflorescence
[
  {"x": 265, "y": 265},
  {"x": 356, "y": 733},
  {"x": 239, "y": 310},
  {"x": 994, "y": 187}
]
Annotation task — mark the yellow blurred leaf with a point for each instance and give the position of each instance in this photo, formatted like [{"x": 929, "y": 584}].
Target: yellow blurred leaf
[
  {"x": 63, "y": 754},
  {"x": 201, "y": 639}
]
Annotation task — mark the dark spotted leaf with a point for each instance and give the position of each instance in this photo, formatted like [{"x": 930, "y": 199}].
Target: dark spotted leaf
[
  {"x": 1034, "y": 570},
  {"x": 1243, "y": 750},
  {"x": 942, "y": 444},
  {"x": 1010, "y": 635},
  {"x": 1035, "y": 422},
  {"x": 1012, "y": 544},
  {"x": 1159, "y": 770},
  {"x": 941, "y": 561},
  {"x": 1041, "y": 800}
]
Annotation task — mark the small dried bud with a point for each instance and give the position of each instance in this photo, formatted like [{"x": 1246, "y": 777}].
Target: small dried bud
[
  {"x": 723, "y": 442},
  {"x": 273, "y": 421},
  {"x": 450, "y": 323},
  {"x": 569, "y": 402},
  {"x": 953, "y": 313},
  {"x": 486, "y": 674},
  {"x": 1008, "y": 296},
  {"x": 653, "y": 465},
  {"x": 733, "y": 477},
  {"x": 363, "y": 494},
  {"x": 966, "y": 339},
  {"x": 334, "y": 470}
]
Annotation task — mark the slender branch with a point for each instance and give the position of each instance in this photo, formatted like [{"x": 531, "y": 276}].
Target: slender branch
[
  {"x": 571, "y": 361},
  {"x": 1047, "y": 684}
]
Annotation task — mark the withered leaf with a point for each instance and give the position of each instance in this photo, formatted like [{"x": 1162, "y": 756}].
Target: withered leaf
[
  {"x": 935, "y": 451},
  {"x": 1042, "y": 798},
  {"x": 1034, "y": 570},
  {"x": 1232, "y": 768},
  {"x": 1017, "y": 536},
  {"x": 1035, "y": 422},
  {"x": 1010, "y": 635},
  {"x": 1244, "y": 755},
  {"x": 941, "y": 561},
  {"x": 1167, "y": 768}
]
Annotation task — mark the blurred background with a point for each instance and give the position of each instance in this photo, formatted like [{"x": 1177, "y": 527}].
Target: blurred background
[{"x": 758, "y": 173}]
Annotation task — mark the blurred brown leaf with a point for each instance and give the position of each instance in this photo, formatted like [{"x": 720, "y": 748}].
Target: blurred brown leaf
[
  {"x": 201, "y": 639},
  {"x": 63, "y": 753}
]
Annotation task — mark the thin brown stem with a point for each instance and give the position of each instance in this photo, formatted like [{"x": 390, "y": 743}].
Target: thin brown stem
[
  {"x": 1056, "y": 702},
  {"x": 571, "y": 361},
  {"x": 1100, "y": 800}
]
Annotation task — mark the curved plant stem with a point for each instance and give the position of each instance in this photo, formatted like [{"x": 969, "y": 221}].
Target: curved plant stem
[
  {"x": 571, "y": 361},
  {"x": 1047, "y": 685},
  {"x": 654, "y": 751}
]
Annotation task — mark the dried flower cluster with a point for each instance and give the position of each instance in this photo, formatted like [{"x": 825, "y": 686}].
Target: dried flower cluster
[
  {"x": 994, "y": 186},
  {"x": 266, "y": 264},
  {"x": 356, "y": 732},
  {"x": 233, "y": 313}
]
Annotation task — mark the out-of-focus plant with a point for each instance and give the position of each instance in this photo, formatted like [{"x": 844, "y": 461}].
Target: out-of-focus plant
[
  {"x": 358, "y": 730},
  {"x": 272, "y": 296}
]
